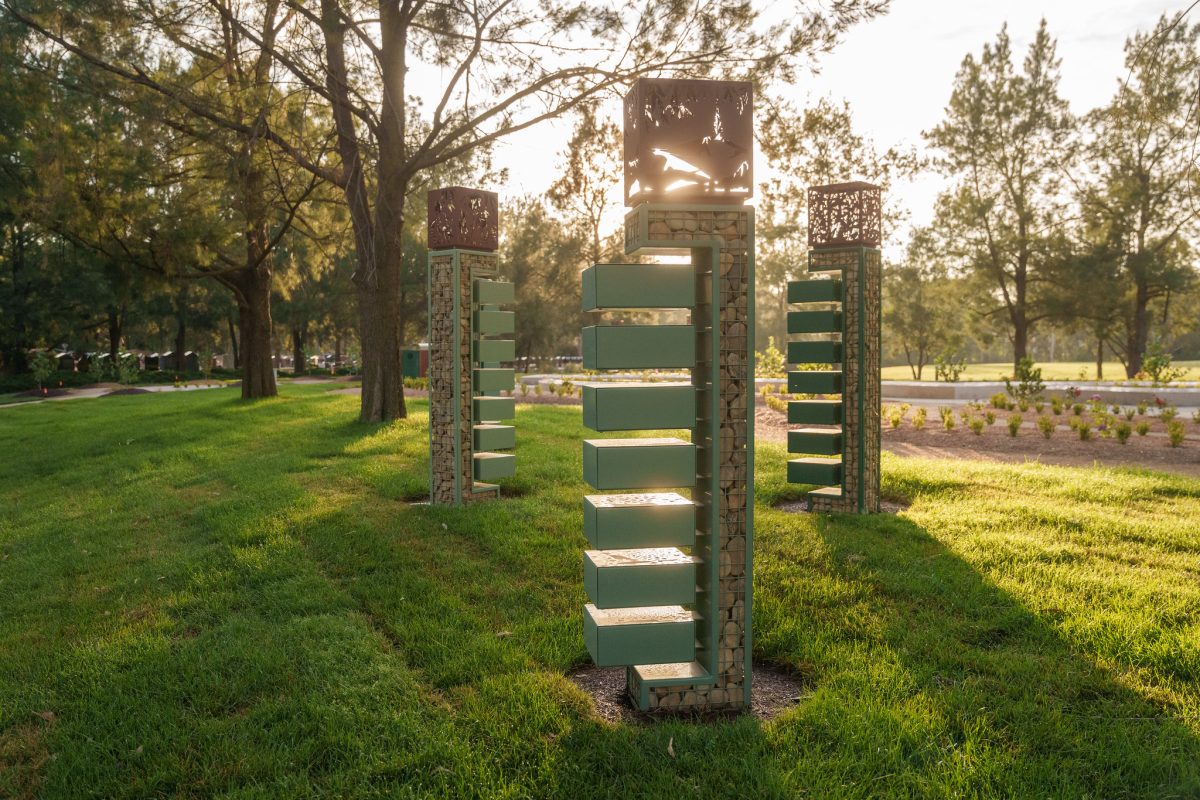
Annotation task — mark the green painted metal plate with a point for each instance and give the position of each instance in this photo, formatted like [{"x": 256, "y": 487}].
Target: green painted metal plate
[
  {"x": 493, "y": 293},
  {"x": 494, "y": 409},
  {"x": 494, "y": 466},
  {"x": 638, "y": 406},
  {"x": 495, "y": 437},
  {"x": 493, "y": 379},
  {"x": 817, "y": 381},
  {"x": 653, "y": 519},
  {"x": 819, "y": 471},
  {"x": 814, "y": 322},
  {"x": 818, "y": 441},
  {"x": 651, "y": 635},
  {"x": 657, "y": 576},
  {"x": 639, "y": 463},
  {"x": 494, "y": 323},
  {"x": 617, "y": 286},
  {"x": 493, "y": 351},
  {"x": 639, "y": 347},
  {"x": 814, "y": 291},
  {"x": 815, "y": 412},
  {"x": 820, "y": 352}
]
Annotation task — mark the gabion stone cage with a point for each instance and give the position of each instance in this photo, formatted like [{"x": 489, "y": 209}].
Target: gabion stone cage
[
  {"x": 689, "y": 141},
  {"x": 463, "y": 218},
  {"x": 845, "y": 215}
]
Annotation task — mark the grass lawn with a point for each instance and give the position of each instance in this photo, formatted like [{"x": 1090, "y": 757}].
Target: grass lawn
[
  {"x": 1055, "y": 371},
  {"x": 202, "y": 597}
]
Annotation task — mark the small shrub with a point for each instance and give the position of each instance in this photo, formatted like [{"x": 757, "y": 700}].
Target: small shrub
[
  {"x": 96, "y": 372},
  {"x": 1123, "y": 430},
  {"x": 1084, "y": 429},
  {"x": 947, "y": 419},
  {"x": 895, "y": 417},
  {"x": 770, "y": 363},
  {"x": 919, "y": 418},
  {"x": 976, "y": 426},
  {"x": 1196, "y": 416},
  {"x": 127, "y": 369},
  {"x": 1115, "y": 409},
  {"x": 1129, "y": 414},
  {"x": 42, "y": 366},
  {"x": 1157, "y": 365},
  {"x": 1168, "y": 413},
  {"x": 1077, "y": 409},
  {"x": 768, "y": 389},
  {"x": 1038, "y": 406},
  {"x": 1142, "y": 407},
  {"x": 1000, "y": 400},
  {"x": 1175, "y": 433},
  {"x": 1046, "y": 425},
  {"x": 948, "y": 365},
  {"x": 1022, "y": 405},
  {"x": 1056, "y": 404},
  {"x": 1014, "y": 425},
  {"x": 1028, "y": 381},
  {"x": 537, "y": 388},
  {"x": 777, "y": 404},
  {"x": 1142, "y": 428},
  {"x": 990, "y": 416}
]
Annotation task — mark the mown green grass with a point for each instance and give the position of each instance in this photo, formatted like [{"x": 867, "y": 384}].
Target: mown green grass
[
  {"x": 1051, "y": 371},
  {"x": 218, "y": 598}
]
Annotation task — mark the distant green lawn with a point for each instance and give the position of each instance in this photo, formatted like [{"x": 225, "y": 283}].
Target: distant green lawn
[
  {"x": 1054, "y": 371},
  {"x": 214, "y": 597}
]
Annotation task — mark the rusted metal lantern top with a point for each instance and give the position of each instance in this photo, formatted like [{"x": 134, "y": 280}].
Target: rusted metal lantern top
[
  {"x": 466, "y": 218},
  {"x": 689, "y": 141},
  {"x": 845, "y": 215}
]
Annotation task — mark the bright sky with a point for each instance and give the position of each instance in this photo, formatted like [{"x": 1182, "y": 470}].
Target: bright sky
[{"x": 897, "y": 72}]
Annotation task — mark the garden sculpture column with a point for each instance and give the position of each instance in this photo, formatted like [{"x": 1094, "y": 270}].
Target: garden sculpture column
[
  {"x": 668, "y": 574},
  {"x": 840, "y": 326},
  {"x": 466, "y": 351}
]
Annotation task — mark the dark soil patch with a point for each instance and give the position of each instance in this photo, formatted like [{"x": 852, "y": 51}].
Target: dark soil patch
[
  {"x": 775, "y": 691},
  {"x": 128, "y": 390}
]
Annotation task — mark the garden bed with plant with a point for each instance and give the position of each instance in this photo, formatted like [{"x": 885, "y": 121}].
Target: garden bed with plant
[{"x": 1026, "y": 423}]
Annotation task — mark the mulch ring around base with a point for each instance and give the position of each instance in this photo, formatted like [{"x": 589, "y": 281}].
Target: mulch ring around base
[{"x": 775, "y": 690}]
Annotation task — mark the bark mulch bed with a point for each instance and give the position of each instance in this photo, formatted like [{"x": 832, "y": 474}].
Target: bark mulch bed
[{"x": 775, "y": 691}]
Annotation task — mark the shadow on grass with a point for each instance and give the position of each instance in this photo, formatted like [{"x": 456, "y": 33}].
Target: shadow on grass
[{"x": 968, "y": 689}]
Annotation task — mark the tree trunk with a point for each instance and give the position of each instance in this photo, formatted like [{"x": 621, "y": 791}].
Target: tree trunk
[
  {"x": 382, "y": 383},
  {"x": 1139, "y": 334},
  {"x": 377, "y": 276},
  {"x": 180, "y": 363},
  {"x": 114, "y": 336},
  {"x": 233, "y": 344},
  {"x": 299, "y": 361},
  {"x": 254, "y": 324},
  {"x": 1099, "y": 358}
]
